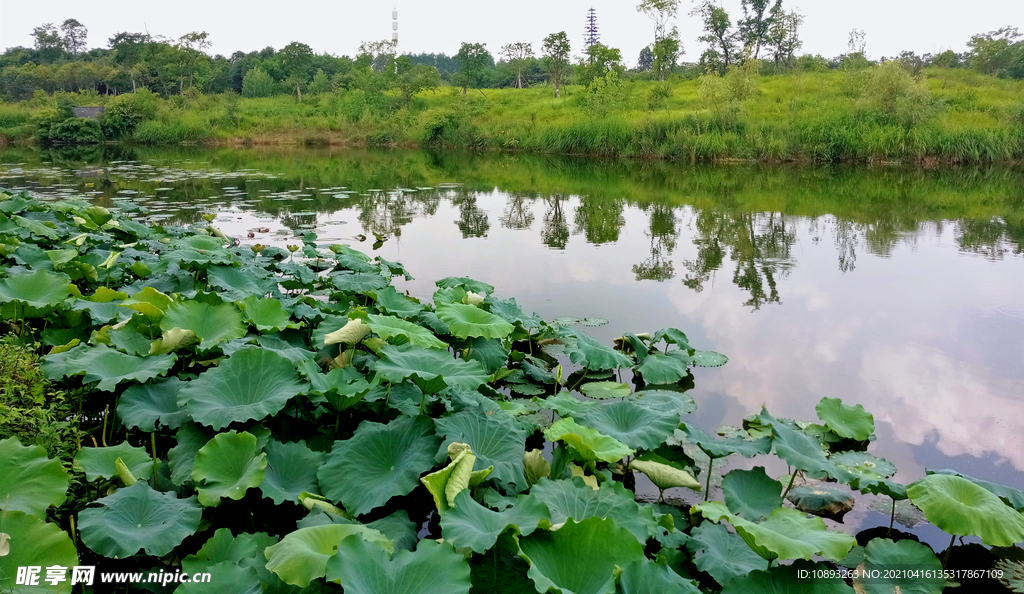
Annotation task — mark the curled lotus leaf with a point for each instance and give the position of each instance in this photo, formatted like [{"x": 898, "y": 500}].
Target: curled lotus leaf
[
  {"x": 138, "y": 518},
  {"x": 39, "y": 289},
  {"x": 665, "y": 476},
  {"x": 720, "y": 448},
  {"x": 29, "y": 481},
  {"x": 468, "y": 284},
  {"x": 850, "y": 422},
  {"x": 958, "y": 506},
  {"x": 596, "y": 356},
  {"x": 445, "y": 485},
  {"x": 587, "y": 442},
  {"x": 469, "y": 321},
  {"x": 1013, "y": 497},
  {"x": 228, "y": 466},
  {"x": 32, "y": 541},
  {"x": 388, "y": 327},
  {"x": 363, "y": 567},
  {"x": 352, "y": 332},
  {"x": 302, "y": 555}
]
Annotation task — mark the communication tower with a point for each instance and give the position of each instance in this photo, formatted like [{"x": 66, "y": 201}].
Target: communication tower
[
  {"x": 394, "y": 26},
  {"x": 590, "y": 34}
]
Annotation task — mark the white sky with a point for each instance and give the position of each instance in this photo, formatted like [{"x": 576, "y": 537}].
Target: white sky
[{"x": 439, "y": 26}]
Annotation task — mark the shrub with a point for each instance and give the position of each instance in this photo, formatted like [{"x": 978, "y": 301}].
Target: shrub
[
  {"x": 75, "y": 131},
  {"x": 125, "y": 112},
  {"x": 257, "y": 83},
  {"x": 896, "y": 96}
]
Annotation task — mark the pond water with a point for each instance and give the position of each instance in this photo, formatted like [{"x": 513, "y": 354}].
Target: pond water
[{"x": 902, "y": 290}]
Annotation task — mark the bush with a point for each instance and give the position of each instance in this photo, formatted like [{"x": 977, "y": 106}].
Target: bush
[
  {"x": 76, "y": 131},
  {"x": 125, "y": 112},
  {"x": 257, "y": 83},
  {"x": 896, "y": 96}
]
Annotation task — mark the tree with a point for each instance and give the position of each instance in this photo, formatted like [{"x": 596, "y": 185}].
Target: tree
[
  {"x": 996, "y": 53},
  {"x": 659, "y": 11},
  {"x": 321, "y": 83},
  {"x": 784, "y": 37},
  {"x": 74, "y": 36},
  {"x": 599, "y": 61},
  {"x": 666, "y": 52},
  {"x": 645, "y": 61},
  {"x": 517, "y": 55},
  {"x": 190, "y": 48},
  {"x": 381, "y": 53},
  {"x": 48, "y": 42},
  {"x": 295, "y": 60},
  {"x": 413, "y": 78},
  {"x": 754, "y": 26},
  {"x": 716, "y": 30},
  {"x": 472, "y": 59},
  {"x": 128, "y": 51},
  {"x": 257, "y": 83},
  {"x": 556, "y": 58}
]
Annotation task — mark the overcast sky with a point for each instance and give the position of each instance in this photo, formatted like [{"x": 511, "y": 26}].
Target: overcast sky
[{"x": 440, "y": 25}]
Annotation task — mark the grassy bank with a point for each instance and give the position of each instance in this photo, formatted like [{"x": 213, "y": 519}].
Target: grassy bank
[{"x": 877, "y": 114}]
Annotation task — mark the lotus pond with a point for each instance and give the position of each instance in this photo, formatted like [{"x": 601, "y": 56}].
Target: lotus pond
[{"x": 312, "y": 372}]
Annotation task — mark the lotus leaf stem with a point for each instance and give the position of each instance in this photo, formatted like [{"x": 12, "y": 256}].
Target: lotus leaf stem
[
  {"x": 103, "y": 434},
  {"x": 582, "y": 377},
  {"x": 791, "y": 480},
  {"x": 892, "y": 517},
  {"x": 945, "y": 558},
  {"x": 707, "y": 488}
]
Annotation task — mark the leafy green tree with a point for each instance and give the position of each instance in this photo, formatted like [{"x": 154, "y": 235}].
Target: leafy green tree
[
  {"x": 295, "y": 61},
  {"x": 257, "y": 83},
  {"x": 128, "y": 50},
  {"x": 517, "y": 55},
  {"x": 321, "y": 83},
  {"x": 645, "y": 62},
  {"x": 48, "y": 42},
  {"x": 666, "y": 52},
  {"x": 659, "y": 11},
  {"x": 413, "y": 78},
  {"x": 472, "y": 59},
  {"x": 600, "y": 59},
  {"x": 191, "y": 47},
  {"x": 381, "y": 54},
  {"x": 784, "y": 37},
  {"x": 717, "y": 31},
  {"x": 756, "y": 22},
  {"x": 74, "y": 35},
  {"x": 998, "y": 53},
  {"x": 556, "y": 58}
]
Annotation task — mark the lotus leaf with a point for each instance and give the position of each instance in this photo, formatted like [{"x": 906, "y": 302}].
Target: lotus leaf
[
  {"x": 224, "y": 576},
  {"x": 723, "y": 555},
  {"x": 708, "y": 359},
  {"x": 229, "y": 465},
  {"x": 662, "y": 368},
  {"x": 213, "y": 324},
  {"x": 467, "y": 283},
  {"x": 222, "y": 546},
  {"x": 566, "y": 405},
  {"x": 172, "y": 340},
  {"x": 364, "y": 568},
  {"x": 40, "y": 289},
  {"x": 720, "y": 448},
  {"x": 465, "y": 321},
  {"x": 821, "y": 499},
  {"x": 588, "y": 443},
  {"x": 665, "y": 476},
  {"x": 579, "y": 557},
  {"x": 239, "y": 284},
  {"x": 36, "y": 227},
  {"x": 32, "y": 542},
  {"x": 788, "y": 579},
  {"x": 149, "y": 302},
  {"x": 536, "y": 466},
  {"x": 445, "y": 484},
  {"x": 471, "y": 525},
  {"x": 137, "y": 517},
  {"x": 291, "y": 470},
  {"x": 98, "y": 463},
  {"x": 802, "y": 451},
  {"x": 109, "y": 366},
  {"x": 632, "y": 422},
  {"x": 864, "y": 464},
  {"x": 605, "y": 389},
  {"x": 850, "y": 422},
  {"x": 395, "y": 303},
  {"x": 389, "y": 327},
  {"x": 574, "y": 499},
  {"x": 266, "y": 314},
  {"x": 302, "y": 555},
  {"x": 147, "y": 406},
  {"x": 751, "y": 493},
  {"x": 647, "y": 577},
  {"x": 512, "y": 313},
  {"x": 190, "y": 437},
  {"x": 958, "y": 506},
  {"x": 490, "y": 352},
  {"x": 596, "y": 356},
  {"x": 494, "y": 439},
  {"x": 29, "y": 481},
  {"x": 399, "y": 528},
  {"x": 431, "y": 367},
  {"x": 881, "y": 554},
  {"x": 359, "y": 282},
  {"x": 251, "y": 384},
  {"x": 786, "y": 534},
  {"x": 1013, "y": 497},
  {"x": 387, "y": 459}
]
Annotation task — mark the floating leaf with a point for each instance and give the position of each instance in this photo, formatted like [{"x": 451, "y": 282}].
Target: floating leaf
[
  {"x": 751, "y": 493},
  {"x": 147, "y": 406},
  {"x": 471, "y": 525},
  {"x": 958, "y": 506},
  {"x": 604, "y": 390},
  {"x": 821, "y": 499},
  {"x": 389, "y": 327},
  {"x": 302, "y": 555},
  {"x": 723, "y": 555},
  {"x": 632, "y": 422},
  {"x": 251, "y": 384},
  {"x": 358, "y": 282},
  {"x": 596, "y": 356},
  {"x": 659, "y": 368},
  {"x": 39, "y": 289},
  {"x": 110, "y": 367},
  {"x": 98, "y": 463},
  {"x": 470, "y": 321},
  {"x": 427, "y": 365},
  {"x": 364, "y": 568},
  {"x": 388, "y": 459},
  {"x": 228, "y": 466},
  {"x": 864, "y": 464},
  {"x": 708, "y": 359},
  {"x": 588, "y": 443},
  {"x": 850, "y": 422},
  {"x": 291, "y": 470},
  {"x": 29, "y": 481},
  {"x": 137, "y": 517},
  {"x": 32, "y": 542},
  {"x": 213, "y": 324}
]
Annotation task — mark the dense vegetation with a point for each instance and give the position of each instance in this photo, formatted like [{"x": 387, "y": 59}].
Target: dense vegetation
[{"x": 288, "y": 421}]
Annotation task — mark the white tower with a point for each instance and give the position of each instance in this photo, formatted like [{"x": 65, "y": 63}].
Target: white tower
[{"x": 394, "y": 26}]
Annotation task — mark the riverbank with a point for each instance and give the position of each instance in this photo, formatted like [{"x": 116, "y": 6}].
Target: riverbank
[{"x": 875, "y": 115}]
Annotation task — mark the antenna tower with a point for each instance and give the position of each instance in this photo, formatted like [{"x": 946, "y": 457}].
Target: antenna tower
[
  {"x": 590, "y": 34},
  {"x": 394, "y": 27}
]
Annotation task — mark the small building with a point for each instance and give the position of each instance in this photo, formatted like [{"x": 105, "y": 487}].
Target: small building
[{"x": 89, "y": 111}]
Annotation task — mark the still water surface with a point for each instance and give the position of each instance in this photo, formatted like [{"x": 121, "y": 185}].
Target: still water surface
[{"x": 902, "y": 290}]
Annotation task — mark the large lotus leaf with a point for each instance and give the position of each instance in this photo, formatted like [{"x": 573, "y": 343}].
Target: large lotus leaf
[
  {"x": 665, "y": 476},
  {"x": 514, "y": 314},
  {"x": 821, "y": 499},
  {"x": 190, "y": 437},
  {"x": 574, "y": 499},
  {"x": 751, "y": 493},
  {"x": 720, "y": 448},
  {"x": 358, "y": 282},
  {"x": 660, "y": 368},
  {"x": 364, "y": 568},
  {"x": 647, "y": 577},
  {"x": 786, "y": 534},
  {"x": 851, "y": 422},
  {"x": 239, "y": 284},
  {"x": 470, "y": 321},
  {"x": 149, "y": 302},
  {"x": 879, "y": 486},
  {"x": 587, "y": 442},
  {"x": 802, "y": 451},
  {"x": 395, "y": 303},
  {"x": 469, "y": 284},
  {"x": 244, "y": 551},
  {"x": 494, "y": 439},
  {"x": 228, "y": 466},
  {"x": 213, "y": 324},
  {"x": 268, "y": 315},
  {"x": 427, "y": 366},
  {"x": 389, "y": 327},
  {"x": 631, "y": 422},
  {"x": 1012, "y": 497},
  {"x": 152, "y": 405},
  {"x": 881, "y": 555},
  {"x": 137, "y": 517},
  {"x": 379, "y": 462},
  {"x": 566, "y": 405},
  {"x": 490, "y": 352},
  {"x": 789, "y": 579},
  {"x": 251, "y": 384},
  {"x": 291, "y": 470},
  {"x": 399, "y": 528},
  {"x": 33, "y": 542},
  {"x": 723, "y": 555},
  {"x": 29, "y": 481},
  {"x": 958, "y": 506},
  {"x": 302, "y": 555},
  {"x": 606, "y": 389},
  {"x": 596, "y": 356},
  {"x": 110, "y": 367},
  {"x": 864, "y": 464},
  {"x": 224, "y": 577},
  {"x": 39, "y": 289},
  {"x": 579, "y": 558},
  {"x": 128, "y": 339},
  {"x": 471, "y": 525},
  {"x": 99, "y": 463}
]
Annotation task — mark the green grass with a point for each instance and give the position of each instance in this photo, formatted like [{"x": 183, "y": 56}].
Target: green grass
[{"x": 961, "y": 116}]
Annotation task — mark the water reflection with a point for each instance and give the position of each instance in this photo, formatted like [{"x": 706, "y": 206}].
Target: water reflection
[{"x": 902, "y": 290}]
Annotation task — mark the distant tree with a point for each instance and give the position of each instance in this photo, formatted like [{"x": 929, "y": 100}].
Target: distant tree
[
  {"x": 414, "y": 78},
  {"x": 645, "y": 62},
  {"x": 321, "y": 83},
  {"x": 600, "y": 59},
  {"x": 472, "y": 59},
  {"x": 381, "y": 54},
  {"x": 756, "y": 22},
  {"x": 517, "y": 55},
  {"x": 191, "y": 48},
  {"x": 257, "y": 83},
  {"x": 855, "y": 58},
  {"x": 997, "y": 52},
  {"x": 128, "y": 51},
  {"x": 556, "y": 58},
  {"x": 784, "y": 37},
  {"x": 74, "y": 36},
  {"x": 666, "y": 52},
  {"x": 48, "y": 42},
  {"x": 717, "y": 31},
  {"x": 659, "y": 11},
  {"x": 295, "y": 60}
]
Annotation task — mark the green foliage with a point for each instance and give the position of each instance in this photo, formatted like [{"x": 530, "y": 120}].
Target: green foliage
[{"x": 257, "y": 83}]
